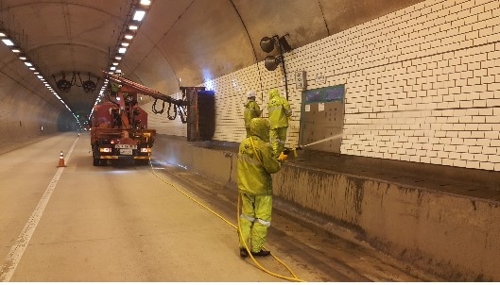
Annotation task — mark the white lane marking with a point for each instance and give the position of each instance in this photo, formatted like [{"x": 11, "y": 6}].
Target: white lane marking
[{"x": 16, "y": 252}]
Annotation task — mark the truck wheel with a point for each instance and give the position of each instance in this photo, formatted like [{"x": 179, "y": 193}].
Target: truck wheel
[
  {"x": 141, "y": 162},
  {"x": 97, "y": 162}
]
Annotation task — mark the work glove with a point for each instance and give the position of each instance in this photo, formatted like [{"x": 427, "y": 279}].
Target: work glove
[{"x": 282, "y": 157}]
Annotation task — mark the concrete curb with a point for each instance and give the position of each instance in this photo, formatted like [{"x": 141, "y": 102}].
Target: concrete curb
[{"x": 452, "y": 236}]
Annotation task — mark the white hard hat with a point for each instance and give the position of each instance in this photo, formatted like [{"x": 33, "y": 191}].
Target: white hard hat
[{"x": 250, "y": 94}]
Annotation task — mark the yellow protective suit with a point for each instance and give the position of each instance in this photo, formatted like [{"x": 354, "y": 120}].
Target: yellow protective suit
[
  {"x": 256, "y": 163},
  {"x": 252, "y": 110},
  {"x": 279, "y": 111}
]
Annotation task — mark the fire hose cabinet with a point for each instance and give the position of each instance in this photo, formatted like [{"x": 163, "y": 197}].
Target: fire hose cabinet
[{"x": 322, "y": 118}]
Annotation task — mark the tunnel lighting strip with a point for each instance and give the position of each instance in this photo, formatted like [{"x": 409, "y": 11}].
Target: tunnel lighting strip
[
  {"x": 125, "y": 39},
  {"x": 101, "y": 95},
  {"x": 15, "y": 48}
]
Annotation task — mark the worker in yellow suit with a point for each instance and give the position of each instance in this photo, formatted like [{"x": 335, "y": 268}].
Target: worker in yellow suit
[
  {"x": 256, "y": 163},
  {"x": 252, "y": 110},
  {"x": 279, "y": 112}
]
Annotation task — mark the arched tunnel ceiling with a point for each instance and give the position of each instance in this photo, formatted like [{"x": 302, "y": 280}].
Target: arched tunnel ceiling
[{"x": 195, "y": 40}]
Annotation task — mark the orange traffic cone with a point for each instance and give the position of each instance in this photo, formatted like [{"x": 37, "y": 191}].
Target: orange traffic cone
[{"x": 61, "y": 160}]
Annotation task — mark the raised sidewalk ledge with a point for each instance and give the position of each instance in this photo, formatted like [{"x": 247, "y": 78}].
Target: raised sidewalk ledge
[{"x": 444, "y": 220}]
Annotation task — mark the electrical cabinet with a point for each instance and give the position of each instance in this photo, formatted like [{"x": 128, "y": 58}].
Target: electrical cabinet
[{"x": 323, "y": 118}]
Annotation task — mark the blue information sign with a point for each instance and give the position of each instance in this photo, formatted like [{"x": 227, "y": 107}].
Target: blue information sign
[{"x": 326, "y": 94}]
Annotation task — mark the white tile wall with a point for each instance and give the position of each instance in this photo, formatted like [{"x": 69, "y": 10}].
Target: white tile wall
[{"x": 422, "y": 85}]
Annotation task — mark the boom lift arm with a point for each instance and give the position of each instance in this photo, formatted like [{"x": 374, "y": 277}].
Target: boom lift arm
[{"x": 180, "y": 105}]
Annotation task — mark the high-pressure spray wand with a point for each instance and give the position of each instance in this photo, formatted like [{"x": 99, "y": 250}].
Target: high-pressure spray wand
[{"x": 288, "y": 150}]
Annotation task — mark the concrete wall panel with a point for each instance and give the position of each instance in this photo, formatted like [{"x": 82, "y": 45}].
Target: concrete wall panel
[{"x": 453, "y": 236}]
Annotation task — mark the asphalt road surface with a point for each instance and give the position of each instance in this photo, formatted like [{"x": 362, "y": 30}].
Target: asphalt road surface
[{"x": 151, "y": 223}]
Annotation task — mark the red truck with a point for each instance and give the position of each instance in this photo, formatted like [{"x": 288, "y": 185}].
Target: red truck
[{"x": 119, "y": 129}]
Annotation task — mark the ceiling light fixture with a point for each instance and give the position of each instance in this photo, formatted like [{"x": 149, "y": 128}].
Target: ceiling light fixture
[
  {"x": 8, "y": 42},
  {"x": 131, "y": 25},
  {"x": 139, "y": 15}
]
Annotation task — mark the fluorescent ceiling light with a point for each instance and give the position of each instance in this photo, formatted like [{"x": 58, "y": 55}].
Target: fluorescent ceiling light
[
  {"x": 2, "y": 34},
  {"x": 139, "y": 15},
  {"x": 146, "y": 2},
  {"x": 115, "y": 63},
  {"x": 22, "y": 58},
  {"x": 16, "y": 50},
  {"x": 122, "y": 50},
  {"x": 112, "y": 68},
  {"x": 118, "y": 57},
  {"x": 133, "y": 27},
  {"x": 28, "y": 63},
  {"x": 32, "y": 68},
  {"x": 125, "y": 44},
  {"x": 129, "y": 37},
  {"x": 8, "y": 42}
]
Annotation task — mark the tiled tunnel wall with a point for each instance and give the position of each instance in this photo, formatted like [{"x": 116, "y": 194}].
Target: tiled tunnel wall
[{"x": 422, "y": 85}]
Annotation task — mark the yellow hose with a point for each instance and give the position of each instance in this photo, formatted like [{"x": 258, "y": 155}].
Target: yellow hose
[{"x": 294, "y": 278}]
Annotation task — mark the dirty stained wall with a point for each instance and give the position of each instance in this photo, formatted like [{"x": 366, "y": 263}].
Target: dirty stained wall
[{"x": 452, "y": 236}]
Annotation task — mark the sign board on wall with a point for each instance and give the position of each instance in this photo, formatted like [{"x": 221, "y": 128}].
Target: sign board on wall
[{"x": 323, "y": 117}]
